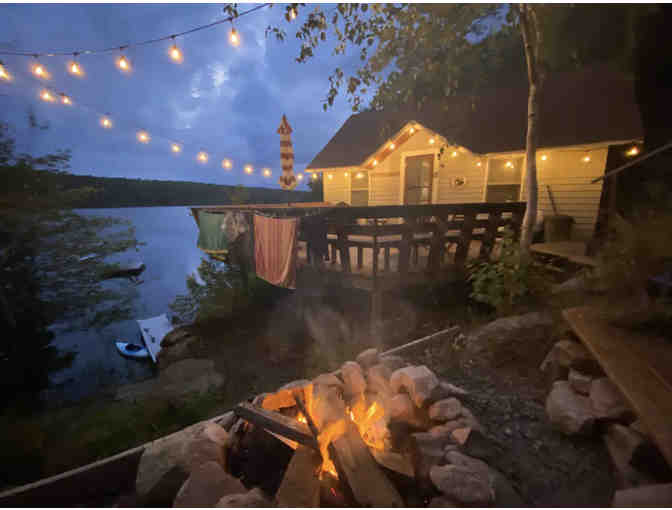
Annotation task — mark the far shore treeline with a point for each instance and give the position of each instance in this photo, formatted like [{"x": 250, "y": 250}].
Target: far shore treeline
[{"x": 112, "y": 192}]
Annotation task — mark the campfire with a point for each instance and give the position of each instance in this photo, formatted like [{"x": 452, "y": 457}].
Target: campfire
[{"x": 366, "y": 435}]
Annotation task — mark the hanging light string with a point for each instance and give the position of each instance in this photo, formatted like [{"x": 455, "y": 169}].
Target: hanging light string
[{"x": 61, "y": 53}]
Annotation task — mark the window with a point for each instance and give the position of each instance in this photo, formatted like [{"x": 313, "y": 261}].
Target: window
[
  {"x": 504, "y": 176},
  {"x": 359, "y": 185}
]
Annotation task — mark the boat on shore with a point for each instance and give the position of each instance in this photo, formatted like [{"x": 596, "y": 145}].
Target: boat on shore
[{"x": 131, "y": 350}]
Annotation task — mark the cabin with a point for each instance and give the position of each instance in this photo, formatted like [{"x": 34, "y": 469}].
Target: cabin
[{"x": 472, "y": 149}]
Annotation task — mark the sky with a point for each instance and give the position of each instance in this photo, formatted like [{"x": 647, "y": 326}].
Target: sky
[{"x": 226, "y": 101}]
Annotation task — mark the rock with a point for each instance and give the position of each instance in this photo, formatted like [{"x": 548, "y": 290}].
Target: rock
[
  {"x": 178, "y": 382},
  {"x": 368, "y": 358},
  {"x": 461, "y": 435},
  {"x": 482, "y": 447},
  {"x": 507, "y": 335},
  {"x": 441, "y": 502},
  {"x": 638, "y": 426},
  {"x": 254, "y": 498},
  {"x": 470, "y": 420},
  {"x": 226, "y": 420},
  {"x": 176, "y": 345},
  {"x": 446, "y": 390},
  {"x": 643, "y": 497},
  {"x": 419, "y": 382},
  {"x": 608, "y": 401},
  {"x": 206, "y": 485},
  {"x": 355, "y": 384},
  {"x": 163, "y": 467},
  {"x": 575, "y": 284},
  {"x": 569, "y": 412},
  {"x": 580, "y": 382},
  {"x": 505, "y": 495},
  {"x": 570, "y": 354},
  {"x": 393, "y": 362},
  {"x": 465, "y": 480},
  {"x": 217, "y": 434},
  {"x": 378, "y": 379},
  {"x": 445, "y": 410},
  {"x": 400, "y": 408},
  {"x": 328, "y": 380},
  {"x": 175, "y": 336},
  {"x": 429, "y": 440},
  {"x": 621, "y": 443},
  {"x": 201, "y": 450}
]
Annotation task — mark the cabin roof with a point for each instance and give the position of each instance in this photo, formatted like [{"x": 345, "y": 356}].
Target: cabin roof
[{"x": 589, "y": 106}]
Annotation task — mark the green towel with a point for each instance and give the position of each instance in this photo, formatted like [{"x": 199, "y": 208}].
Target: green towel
[{"x": 211, "y": 237}]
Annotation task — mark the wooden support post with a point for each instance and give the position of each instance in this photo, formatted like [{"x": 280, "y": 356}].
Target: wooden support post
[
  {"x": 387, "y": 258},
  {"x": 416, "y": 254},
  {"x": 332, "y": 253},
  {"x": 344, "y": 250},
  {"x": 488, "y": 241},
  {"x": 405, "y": 248},
  {"x": 360, "y": 257},
  {"x": 466, "y": 234},
  {"x": 374, "y": 262}
]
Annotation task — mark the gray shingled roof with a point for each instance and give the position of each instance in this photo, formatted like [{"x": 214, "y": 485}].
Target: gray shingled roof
[{"x": 577, "y": 108}]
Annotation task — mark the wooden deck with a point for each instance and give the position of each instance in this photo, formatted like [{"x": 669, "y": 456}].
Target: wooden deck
[
  {"x": 573, "y": 251},
  {"x": 640, "y": 366}
]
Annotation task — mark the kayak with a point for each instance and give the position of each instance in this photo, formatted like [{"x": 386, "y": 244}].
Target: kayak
[{"x": 131, "y": 350}]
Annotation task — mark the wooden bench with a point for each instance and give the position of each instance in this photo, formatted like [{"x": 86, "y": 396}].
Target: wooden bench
[{"x": 640, "y": 366}]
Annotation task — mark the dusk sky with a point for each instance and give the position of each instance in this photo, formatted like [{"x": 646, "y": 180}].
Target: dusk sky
[{"x": 227, "y": 101}]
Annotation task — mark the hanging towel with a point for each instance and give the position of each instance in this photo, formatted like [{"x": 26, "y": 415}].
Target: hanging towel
[{"x": 275, "y": 242}]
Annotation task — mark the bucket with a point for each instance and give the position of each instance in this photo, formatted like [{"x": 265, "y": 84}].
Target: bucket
[{"x": 558, "y": 228}]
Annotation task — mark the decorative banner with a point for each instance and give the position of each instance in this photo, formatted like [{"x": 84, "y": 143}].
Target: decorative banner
[{"x": 287, "y": 180}]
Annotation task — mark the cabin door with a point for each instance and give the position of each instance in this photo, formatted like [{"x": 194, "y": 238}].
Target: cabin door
[{"x": 419, "y": 173}]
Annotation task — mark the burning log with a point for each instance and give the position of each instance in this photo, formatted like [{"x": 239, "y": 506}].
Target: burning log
[
  {"x": 301, "y": 485},
  {"x": 369, "y": 485},
  {"x": 394, "y": 461},
  {"x": 277, "y": 423}
]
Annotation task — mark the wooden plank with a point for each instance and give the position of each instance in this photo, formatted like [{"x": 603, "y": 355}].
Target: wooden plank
[
  {"x": 648, "y": 392},
  {"x": 301, "y": 485},
  {"x": 394, "y": 461},
  {"x": 370, "y": 487},
  {"x": 278, "y": 423}
]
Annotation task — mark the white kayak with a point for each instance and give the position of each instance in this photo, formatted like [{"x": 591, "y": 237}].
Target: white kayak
[{"x": 131, "y": 350}]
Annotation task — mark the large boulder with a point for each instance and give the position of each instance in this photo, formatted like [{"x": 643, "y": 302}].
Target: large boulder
[
  {"x": 579, "y": 381},
  {"x": 445, "y": 410},
  {"x": 176, "y": 345},
  {"x": 254, "y": 498},
  {"x": 164, "y": 466},
  {"x": 368, "y": 358},
  {"x": 393, "y": 362},
  {"x": 378, "y": 379},
  {"x": 465, "y": 480},
  {"x": 503, "y": 335},
  {"x": 608, "y": 401},
  {"x": 178, "y": 382},
  {"x": 418, "y": 381},
  {"x": 569, "y": 412},
  {"x": 355, "y": 384},
  {"x": 567, "y": 354},
  {"x": 400, "y": 408},
  {"x": 206, "y": 485}
]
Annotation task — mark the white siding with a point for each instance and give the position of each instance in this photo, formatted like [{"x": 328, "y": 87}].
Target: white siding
[
  {"x": 464, "y": 166},
  {"x": 337, "y": 188}
]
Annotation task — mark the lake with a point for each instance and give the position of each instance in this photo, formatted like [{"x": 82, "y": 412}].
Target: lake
[{"x": 170, "y": 254}]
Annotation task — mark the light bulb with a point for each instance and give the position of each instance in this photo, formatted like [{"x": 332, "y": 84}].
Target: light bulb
[
  {"x": 479, "y": 164},
  {"x": 40, "y": 71},
  {"x": 314, "y": 177},
  {"x": 267, "y": 172},
  {"x": 586, "y": 158},
  {"x": 331, "y": 176},
  {"x": 411, "y": 131},
  {"x": 509, "y": 164},
  {"x": 226, "y": 163},
  {"x": 4, "y": 75},
  {"x": 454, "y": 154},
  {"x": 143, "y": 137},
  {"x": 106, "y": 122},
  {"x": 633, "y": 151},
  {"x": 123, "y": 63},
  {"x": 392, "y": 146},
  {"x": 176, "y": 54},
  {"x": 431, "y": 141},
  {"x": 359, "y": 175},
  {"x": 65, "y": 99},
  {"x": 46, "y": 96},
  {"x": 249, "y": 169},
  {"x": 175, "y": 147},
  {"x": 346, "y": 174},
  {"x": 374, "y": 162},
  {"x": 292, "y": 13},
  {"x": 202, "y": 157},
  {"x": 234, "y": 38},
  {"x": 74, "y": 68},
  {"x": 300, "y": 177},
  {"x": 544, "y": 157}
]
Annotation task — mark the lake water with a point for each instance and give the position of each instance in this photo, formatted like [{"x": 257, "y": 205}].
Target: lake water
[{"x": 170, "y": 255}]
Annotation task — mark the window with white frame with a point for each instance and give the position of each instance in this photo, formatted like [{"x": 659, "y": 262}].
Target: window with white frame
[
  {"x": 359, "y": 186},
  {"x": 504, "y": 179}
]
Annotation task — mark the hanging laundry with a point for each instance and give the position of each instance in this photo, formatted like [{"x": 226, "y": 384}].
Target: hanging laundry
[
  {"x": 218, "y": 231},
  {"x": 275, "y": 254}
]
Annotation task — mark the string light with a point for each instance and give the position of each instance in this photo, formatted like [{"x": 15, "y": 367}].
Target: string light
[
  {"x": 74, "y": 67},
  {"x": 175, "y": 53},
  {"x": 45, "y": 95},
  {"x": 411, "y": 131},
  {"x": 314, "y": 177},
  {"x": 292, "y": 13},
  {"x": 105, "y": 122},
  {"x": 346, "y": 174},
  {"x": 300, "y": 177},
  {"x": 544, "y": 157},
  {"x": 374, "y": 162},
  {"x": 454, "y": 154},
  {"x": 509, "y": 164},
  {"x": 226, "y": 163},
  {"x": 65, "y": 99},
  {"x": 392, "y": 146},
  {"x": 431, "y": 141},
  {"x": 4, "y": 75},
  {"x": 586, "y": 158},
  {"x": 123, "y": 63},
  {"x": 143, "y": 136},
  {"x": 267, "y": 172},
  {"x": 331, "y": 176},
  {"x": 248, "y": 169},
  {"x": 359, "y": 175},
  {"x": 479, "y": 164},
  {"x": 39, "y": 70},
  {"x": 633, "y": 151},
  {"x": 202, "y": 157},
  {"x": 234, "y": 38}
]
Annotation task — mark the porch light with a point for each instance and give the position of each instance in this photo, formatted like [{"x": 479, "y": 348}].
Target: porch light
[
  {"x": 331, "y": 176},
  {"x": 633, "y": 151},
  {"x": 392, "y": 146},
  {"x": 544, "y": 157},
  {"x": 431, "y": 141},
  {"x": 248, "y": 169},
  {"x": 143, "y": 136},
  {"x": 226, "y": 163}
]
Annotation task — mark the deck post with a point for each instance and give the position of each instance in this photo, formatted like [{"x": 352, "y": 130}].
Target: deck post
[
  {"x": 488, "y": 241},
  {"x": 462, "y": 251}
]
